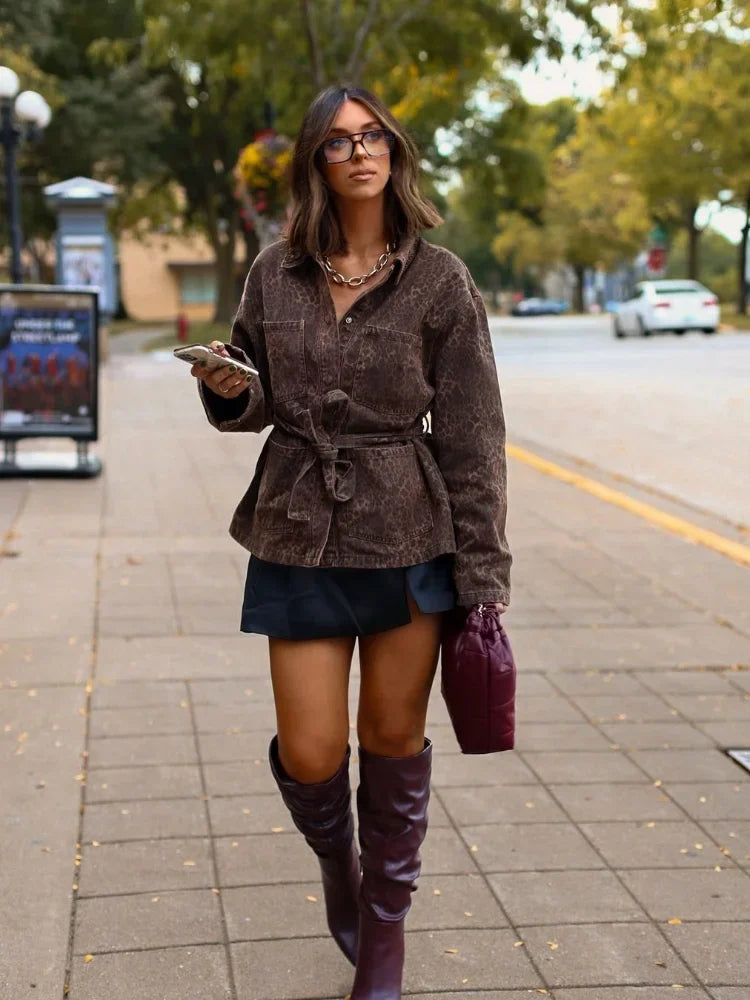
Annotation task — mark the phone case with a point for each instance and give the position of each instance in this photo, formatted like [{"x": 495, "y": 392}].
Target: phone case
[{"x": 194, "y": 353}]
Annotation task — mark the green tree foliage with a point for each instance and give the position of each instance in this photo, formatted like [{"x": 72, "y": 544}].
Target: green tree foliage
[{"x": 228, "y": 62}]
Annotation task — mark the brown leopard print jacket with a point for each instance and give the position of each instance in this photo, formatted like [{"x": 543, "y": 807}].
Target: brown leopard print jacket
[{"x": 349, "y": 476}]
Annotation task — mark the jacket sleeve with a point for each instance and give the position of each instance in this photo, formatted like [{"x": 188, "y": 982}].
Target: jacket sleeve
[
  {"x": 468, "y": 429},
  {"x": 252, "y": 410}
]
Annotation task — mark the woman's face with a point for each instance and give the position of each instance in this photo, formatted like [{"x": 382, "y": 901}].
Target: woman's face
[{"x": 364, "y": 175}]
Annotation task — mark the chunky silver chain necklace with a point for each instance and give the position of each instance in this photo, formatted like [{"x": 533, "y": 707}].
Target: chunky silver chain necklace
[{"x": 339, "y": 279}]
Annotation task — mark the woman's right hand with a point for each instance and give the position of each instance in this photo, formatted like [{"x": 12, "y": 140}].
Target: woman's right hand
[{"x": 227, "y": 382}]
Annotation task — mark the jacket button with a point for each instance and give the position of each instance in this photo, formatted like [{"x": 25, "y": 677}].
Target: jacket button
[{"x": 348, "y": 319}]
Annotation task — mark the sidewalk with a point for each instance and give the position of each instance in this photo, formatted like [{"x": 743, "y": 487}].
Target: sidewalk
[{"x": 147, "y": 854}]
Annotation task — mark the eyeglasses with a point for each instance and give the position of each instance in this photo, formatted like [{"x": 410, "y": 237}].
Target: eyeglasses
[{"x": 375, "y": 143}]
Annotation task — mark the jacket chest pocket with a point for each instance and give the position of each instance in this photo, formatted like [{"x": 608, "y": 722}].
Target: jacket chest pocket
[
  {"x": 388, "y": 377},
  {"x": 285, "y": 349}
]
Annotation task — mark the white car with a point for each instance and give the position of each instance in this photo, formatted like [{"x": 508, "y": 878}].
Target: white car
[{"x": 667, "y": 306}]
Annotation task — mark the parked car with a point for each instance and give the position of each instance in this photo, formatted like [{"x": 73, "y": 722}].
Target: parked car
[
  {"x": 667, "y": 306},
  {"x": 539, "y": 307}
]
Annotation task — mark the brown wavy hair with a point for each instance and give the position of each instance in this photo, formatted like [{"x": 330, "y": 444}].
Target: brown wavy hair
[{"x": 314, "y": 227}]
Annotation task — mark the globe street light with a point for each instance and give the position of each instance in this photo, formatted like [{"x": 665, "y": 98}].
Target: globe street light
[{"x": 21, "y": 116}]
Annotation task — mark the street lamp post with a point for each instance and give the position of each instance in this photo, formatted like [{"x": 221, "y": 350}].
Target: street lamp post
[{"x": 21, "y": 116}]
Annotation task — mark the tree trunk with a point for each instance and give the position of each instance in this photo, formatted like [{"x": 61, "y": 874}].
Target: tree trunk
[
  {"x": 742, "y": 280},
  {"x": 580, "y": 272},
  {"x": 694, "y": 233},
  {"x": 226, "y": 297}
]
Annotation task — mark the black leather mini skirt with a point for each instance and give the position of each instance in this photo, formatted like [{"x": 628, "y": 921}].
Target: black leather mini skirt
[{"x": 322, "y": 602}]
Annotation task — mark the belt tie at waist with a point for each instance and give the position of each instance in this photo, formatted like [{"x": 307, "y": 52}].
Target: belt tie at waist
[{"x": 324, "y": 441}]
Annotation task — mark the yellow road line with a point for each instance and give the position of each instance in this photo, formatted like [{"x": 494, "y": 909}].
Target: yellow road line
[{"x": 677, "y": 525}]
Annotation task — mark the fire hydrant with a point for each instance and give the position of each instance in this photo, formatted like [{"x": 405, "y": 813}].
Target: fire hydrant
[{"x": 183, "y": 326}]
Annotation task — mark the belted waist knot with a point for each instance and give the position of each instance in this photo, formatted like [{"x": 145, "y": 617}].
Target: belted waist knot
[{"x": 339, "y": 475}]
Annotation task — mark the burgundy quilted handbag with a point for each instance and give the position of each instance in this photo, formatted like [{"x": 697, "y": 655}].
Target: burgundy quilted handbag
[{"x": 478, "y": 680}]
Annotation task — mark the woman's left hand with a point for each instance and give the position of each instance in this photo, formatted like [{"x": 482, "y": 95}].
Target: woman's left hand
[{"x": 495, "y": 605}]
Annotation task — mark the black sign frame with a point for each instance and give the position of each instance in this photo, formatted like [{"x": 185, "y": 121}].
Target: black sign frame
[{"x": 89, "y": 299}]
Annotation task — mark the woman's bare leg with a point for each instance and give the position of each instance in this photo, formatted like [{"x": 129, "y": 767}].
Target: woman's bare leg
[
  {"x": 311, "y": 692},
  {"x": 398, "y": 668}
]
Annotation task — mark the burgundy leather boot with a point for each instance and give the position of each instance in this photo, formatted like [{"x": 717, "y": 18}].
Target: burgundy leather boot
[
  {"x": 322, "y": 813},
  {"x": 392, "y": 800}
]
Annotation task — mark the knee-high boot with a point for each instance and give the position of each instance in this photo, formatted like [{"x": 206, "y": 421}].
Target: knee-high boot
[
  {"x": 322, "y": 813},
  {"x": 392, "y": 801}
]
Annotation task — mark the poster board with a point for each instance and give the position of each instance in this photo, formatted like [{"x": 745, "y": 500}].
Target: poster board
[{"x": 48, "y": 362}]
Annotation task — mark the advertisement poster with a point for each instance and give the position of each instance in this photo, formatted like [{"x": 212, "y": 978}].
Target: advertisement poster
[
  {"x": 48, "y": 363},
  {"x": 83, "y": 263}
]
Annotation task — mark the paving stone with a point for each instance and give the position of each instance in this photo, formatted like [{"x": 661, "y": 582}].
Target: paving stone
[
  {"x": 29, "y": 662},
  {"x": 137, "y": 694},
  {"x": 527, "y": 994},
  {"x": 140, "y": 721},
  {"x": 482, "y": 960},
  {"x": 732, "y": 834},
  {"x": 559, "y": 736},
  {"x": 632, "y": 993},
  {"x": 264, "y": 859},
  {"x": 582, "y": 765},
  {"x": 443, "y": 738},
  {"x": 130, "y": 751},
  {"x": 700, "y": 681},
  {"x": 646, "y": 707},
  {"x": 184, "y": 657},
  {"x": 239, "y": 778},
  {"x": 457, "y": 901},
  {"x": 726, "y": 734},
  {"x": 259, "y": 689},
  {"x": 119, "y": 821},
  {"x": 38, "y": 710},
  {"x": 654, "y": 735},
  {"x": 564, "y": 897},
  {"x": 625, "y": 648},
  {"x": 529, "y": 847},
  {"x": 717, "y": 951},
  {"x": 529, "y": 682},
  {"x": 653, "y": 845},
  {"x": 676, "y": 765},
  {"x": 443, "y": 851},
  {"x": 121, "y": 923},
  {"x": 220, "y": 748},
  {"x": 706, "y": 707},
  {"x": 244, "y": 717},
  {"x": 292, "y": 969},
  {"x": 493, "y": 769},
  {"x": 197, "y": 973},
  {"x": 236, "y": 815},
  {"x": 607, "y": 954},
  {"x": 739, "y": 678},
  {"x": 691, "y": 895},
  {"x": 127, "y": 783},
  {"x": 713, "y": 800},
  {"x": 469, "y": 806},
  {"x": 146, "y": 866},
  {"x": 730, "y": 992},
  {"x": 615, "y": 802},
  {"x": 597, "y": 682},
  {"x": 546, "y": 708},
  {"x": 266, "y": 912}
]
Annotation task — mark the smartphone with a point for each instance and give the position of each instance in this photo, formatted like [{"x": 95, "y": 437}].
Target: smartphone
[{"x": 195, "y": 353}]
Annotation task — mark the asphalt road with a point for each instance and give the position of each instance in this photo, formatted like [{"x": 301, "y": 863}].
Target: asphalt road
[{"x": 671, "y": 413}]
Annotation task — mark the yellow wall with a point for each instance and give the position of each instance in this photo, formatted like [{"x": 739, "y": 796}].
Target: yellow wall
[{"x": 150, "y": 289}]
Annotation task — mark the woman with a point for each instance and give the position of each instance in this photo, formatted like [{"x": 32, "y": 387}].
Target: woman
[{"x": 362, "y": 526}]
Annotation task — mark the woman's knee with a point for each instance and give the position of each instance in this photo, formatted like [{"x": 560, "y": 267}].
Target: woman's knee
[
  {"x": 389, "y": 736},
  {"x": 311, "y": 759}
]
